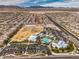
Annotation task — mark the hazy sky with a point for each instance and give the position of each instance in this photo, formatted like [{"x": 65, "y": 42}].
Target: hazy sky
[{"x": 46, "y": 3}]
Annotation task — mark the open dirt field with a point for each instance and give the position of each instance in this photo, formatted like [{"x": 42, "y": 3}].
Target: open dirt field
[{"x": 27, "y": 31}]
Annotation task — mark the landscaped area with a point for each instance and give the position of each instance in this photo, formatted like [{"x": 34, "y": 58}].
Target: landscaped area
[
  {"x": 45, "y": 36},
  {"x": 69, "y": 48}
]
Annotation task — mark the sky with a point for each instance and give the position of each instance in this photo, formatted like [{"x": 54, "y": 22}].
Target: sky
[{"x": 44, "y": 3}]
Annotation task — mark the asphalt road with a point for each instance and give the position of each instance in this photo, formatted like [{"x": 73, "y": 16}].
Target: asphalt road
[{"x": 60, "y": 57}]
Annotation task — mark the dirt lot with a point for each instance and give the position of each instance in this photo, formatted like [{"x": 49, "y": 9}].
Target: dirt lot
[{"x": 26, "y": 31}]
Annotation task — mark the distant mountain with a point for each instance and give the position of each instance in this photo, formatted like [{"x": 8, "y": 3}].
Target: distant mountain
[
  {"x": 36, "y": 6},
  {"x": 40, "y": 7},
  {"x": 3, "y": 6}
]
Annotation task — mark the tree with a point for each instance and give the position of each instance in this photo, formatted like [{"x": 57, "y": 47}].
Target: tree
[{"x": 6, "y": 41}]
